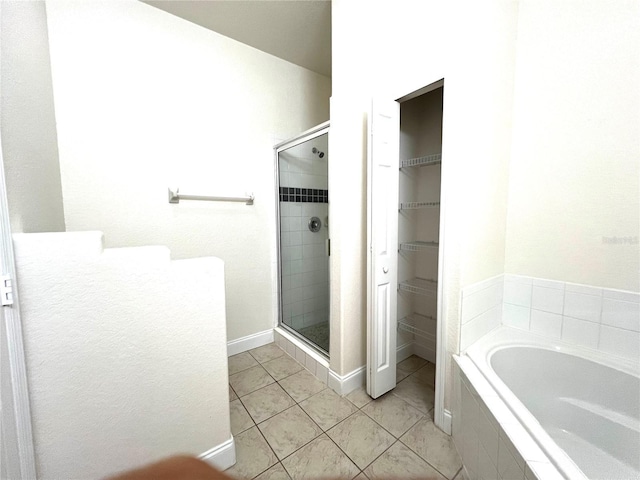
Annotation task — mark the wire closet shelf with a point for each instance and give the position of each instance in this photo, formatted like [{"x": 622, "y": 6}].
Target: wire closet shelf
[{"x": 427, "y": 160}]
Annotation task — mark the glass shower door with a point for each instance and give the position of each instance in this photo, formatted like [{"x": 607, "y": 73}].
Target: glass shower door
[{"x": 303, "y": 200}]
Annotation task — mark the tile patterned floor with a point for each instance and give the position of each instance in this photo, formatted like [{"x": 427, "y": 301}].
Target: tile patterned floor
[{"x": 289, "y": 425}]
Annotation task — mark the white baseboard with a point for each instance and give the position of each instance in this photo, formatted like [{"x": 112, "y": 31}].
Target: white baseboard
[
  {"x": 404, "y": 351},
  {"x": 250, "y": 341},
  {"x": 223, "y": 456},
  {"x": 425, "y": 352},
  {"x": 344, "y": 384},
  {"x": 446, "y": 422}
]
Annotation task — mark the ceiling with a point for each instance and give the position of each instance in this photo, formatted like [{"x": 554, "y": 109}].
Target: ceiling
[{"x": 298, "y": 31}]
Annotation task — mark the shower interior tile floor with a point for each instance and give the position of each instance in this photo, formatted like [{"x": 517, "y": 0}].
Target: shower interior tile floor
[
  {"x": 289, "y": 425},
  {"x": 318, "y": 334}
]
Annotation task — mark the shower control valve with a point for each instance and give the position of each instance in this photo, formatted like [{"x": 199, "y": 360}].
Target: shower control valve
[{"x": 314, "y": 224}]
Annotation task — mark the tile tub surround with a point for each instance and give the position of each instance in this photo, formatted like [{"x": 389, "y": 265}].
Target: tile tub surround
[
  {"x": 481, "y": 309},
  {"x": 492, "y": 443},
  {"x": 599, "y": 318},
  {"x": 297, "y": 428},
  {"x": 603, "y": 319}
]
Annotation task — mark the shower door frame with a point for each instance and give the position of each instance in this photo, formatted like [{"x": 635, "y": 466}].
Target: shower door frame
[{"x": 305, "y": 136}]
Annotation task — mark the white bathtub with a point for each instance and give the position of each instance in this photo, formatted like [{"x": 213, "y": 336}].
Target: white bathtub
[{"x": 582, "y": 408}]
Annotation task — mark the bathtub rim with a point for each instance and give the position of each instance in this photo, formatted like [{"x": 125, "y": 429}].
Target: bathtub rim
[{"x": 508, "y": 337}]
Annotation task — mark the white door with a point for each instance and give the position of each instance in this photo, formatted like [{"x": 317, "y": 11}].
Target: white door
[{"x": 382, "y": 239}]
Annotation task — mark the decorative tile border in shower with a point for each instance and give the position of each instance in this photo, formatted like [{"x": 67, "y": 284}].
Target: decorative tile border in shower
[{"x": 304, "y": 195}]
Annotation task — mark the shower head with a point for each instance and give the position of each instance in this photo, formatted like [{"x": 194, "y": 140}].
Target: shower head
[{"x": 317, "y": 152}]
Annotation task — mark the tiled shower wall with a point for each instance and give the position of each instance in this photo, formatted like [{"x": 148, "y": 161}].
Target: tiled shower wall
[{"x": 305, "y": 264}]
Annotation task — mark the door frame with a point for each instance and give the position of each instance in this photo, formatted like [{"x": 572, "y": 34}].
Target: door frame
[
  {"x": 441, "y": 417},
  {"x": 305, "y": 136},
  {"x": 16, "y": 412}
]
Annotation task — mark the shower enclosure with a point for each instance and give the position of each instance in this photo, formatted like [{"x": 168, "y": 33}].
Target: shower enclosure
[{"x": 303, "y": 236}]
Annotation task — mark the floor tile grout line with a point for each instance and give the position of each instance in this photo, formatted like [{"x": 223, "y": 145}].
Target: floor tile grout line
[
  {"x": 234, "y": 392},
  {"x": 278, "y": 462},
  {"x": 339, "y": 422},
  {"x": 257, "y": 390},
  {"x": 305, "y": 443},
  {"x": 249, "y": 413},
  {"x": 285, "y": 391},
  {"x": 298, "y": 449},
  {"x": 457, "y": 473},
  {"x": 374, "y": 421},
  {"x": 404, "y": 401},
  {"x": 243, "y": 370},
  {"x": 325, "y": 432},
  {"x": 396, "y": 439},
  {"x": 346, "y": 454},
  {"x": 284, "y": 353},
  {"x": 382, "y": 453},
  {"x": 245, "y": 407},
  {"x": 270, "y": 448},
  {"x": 261, "y": 346},
  {"x": 419, "y": 456},
  {"x": 250, "y": 417},
  {"x": 343, "y": 420},
  {"x": 430, "y": 464}
]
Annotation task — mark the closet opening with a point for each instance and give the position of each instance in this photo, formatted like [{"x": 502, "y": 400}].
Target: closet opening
[
  {"x": 405, "y": 301},
  {"x": 419, "y": 223}
]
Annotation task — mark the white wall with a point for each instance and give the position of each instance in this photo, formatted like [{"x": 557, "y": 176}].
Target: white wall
[
  {"x": 145, "y": 100},
  {"x": 575, "y": 165},
  {"x": 539, "y": 207},
  {"x": 27, "y": 120},
  {"x": 126, "y": 353},
  {"x": 392, "y": 50}
]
